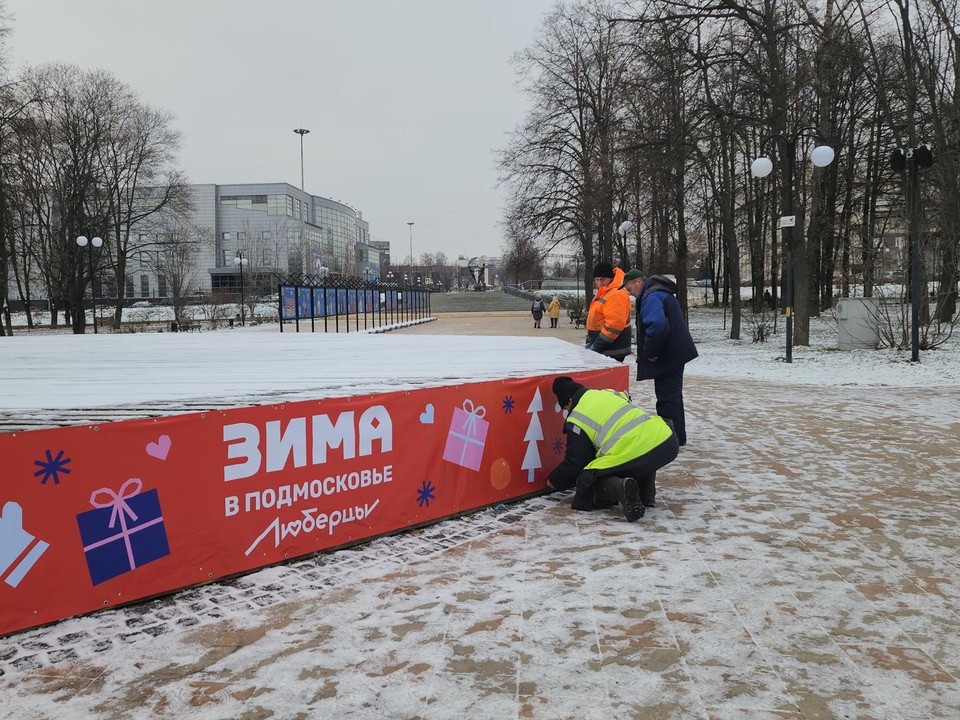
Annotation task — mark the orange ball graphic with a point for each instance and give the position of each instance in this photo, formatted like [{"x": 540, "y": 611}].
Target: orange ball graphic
[{"x": 499, "y": 474}]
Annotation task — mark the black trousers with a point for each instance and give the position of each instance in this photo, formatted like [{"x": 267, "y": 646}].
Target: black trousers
[
  {"x": 669, "y": 390},
  {"x": 643, "y": 469}
]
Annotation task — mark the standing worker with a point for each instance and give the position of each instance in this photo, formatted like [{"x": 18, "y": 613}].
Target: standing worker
[
  {"x": 554, "y": 311},
  {"x": 664, "y": 344},
  {"x": 614, "y": 450},
  {"x": 608, "y": 319}
]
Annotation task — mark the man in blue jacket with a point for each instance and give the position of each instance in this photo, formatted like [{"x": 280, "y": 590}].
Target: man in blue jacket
[{"x": 664, "y": 345}]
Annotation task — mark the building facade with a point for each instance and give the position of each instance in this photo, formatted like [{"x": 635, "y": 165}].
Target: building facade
[{"x": 279, "y": 230}]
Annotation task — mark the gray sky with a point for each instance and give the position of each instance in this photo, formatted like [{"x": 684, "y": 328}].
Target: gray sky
[{"x": 406, "y": 101}]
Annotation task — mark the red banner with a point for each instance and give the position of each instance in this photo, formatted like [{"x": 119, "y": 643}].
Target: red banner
[{"x": 96, "y": 516}]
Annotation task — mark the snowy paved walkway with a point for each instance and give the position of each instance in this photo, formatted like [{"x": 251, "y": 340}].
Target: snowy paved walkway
[{"x": 802, "y": 563}]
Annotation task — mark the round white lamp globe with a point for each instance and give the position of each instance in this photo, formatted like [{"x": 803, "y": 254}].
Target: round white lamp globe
[
  {"x": 761, "y": 167},
  {"x": 822, "y": 155}
]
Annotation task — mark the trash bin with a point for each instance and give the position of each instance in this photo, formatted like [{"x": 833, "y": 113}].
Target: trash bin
[
  {"x": 858, "y": 324},
  {"x": 174, "y": 327}
]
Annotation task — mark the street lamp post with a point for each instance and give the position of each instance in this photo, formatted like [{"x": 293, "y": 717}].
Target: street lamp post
[
  {"x": 581, "y": 302},
  {"x": 625, "y": 227},
  {"x": 392, "y": 302},
  {"x": 410, "y": 224},
  {"x": 90, "y": 245},
  {"x": 913, "y": 160},
  {"x": 821, "y": 156},
  {"x": 240, "y": 261},
  {"x": 301, "y": 132}
]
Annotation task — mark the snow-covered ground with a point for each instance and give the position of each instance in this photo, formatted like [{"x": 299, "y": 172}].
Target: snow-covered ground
[
  {"x": 44, "y": 371},
  {"x": 820, "y": 363},
  {"x": 801, "y": 561}
]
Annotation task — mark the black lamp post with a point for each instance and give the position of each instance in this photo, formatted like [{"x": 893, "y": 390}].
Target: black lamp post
[
  {"x": 90, "y": 245},
  {"x": 821, "y": 156},
  {"x": 240, "y": 261},
  {"x": 913, "y": 160},
  {"x": 391, "y": 290}
]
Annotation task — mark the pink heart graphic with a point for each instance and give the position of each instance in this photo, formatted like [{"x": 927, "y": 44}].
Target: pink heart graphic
[{"x": 160, "y": 448}]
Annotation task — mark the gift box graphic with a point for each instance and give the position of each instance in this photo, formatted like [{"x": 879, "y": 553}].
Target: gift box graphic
[
  {"x": 467, "y": 436},
  {"x": 124, "y": 531}
]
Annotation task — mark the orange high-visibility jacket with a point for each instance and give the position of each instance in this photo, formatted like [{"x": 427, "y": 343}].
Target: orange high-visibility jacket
[{"x": 609, "y": 312}]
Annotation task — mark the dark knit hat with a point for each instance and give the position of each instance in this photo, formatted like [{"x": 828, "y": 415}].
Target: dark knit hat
[
  {"x": 565, "y": 388},
  {"x": 603, "y": 269}
]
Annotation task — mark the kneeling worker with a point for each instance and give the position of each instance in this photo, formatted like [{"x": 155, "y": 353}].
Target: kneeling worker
[{"x": 614, "y": 449}]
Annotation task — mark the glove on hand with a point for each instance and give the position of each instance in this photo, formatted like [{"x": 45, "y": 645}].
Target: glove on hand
[{"x": 600, "y": 344}]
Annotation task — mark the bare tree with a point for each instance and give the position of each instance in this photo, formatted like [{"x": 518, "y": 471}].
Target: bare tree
[
  {"x": 560, "y": 163},
  {"x": 56, "y": 156},
  {"x": 522, "y": 257},
  {"x": 139, "y": 174},
  {"x": 177, "y": 247},
  {"x": 92, "y": 159}
]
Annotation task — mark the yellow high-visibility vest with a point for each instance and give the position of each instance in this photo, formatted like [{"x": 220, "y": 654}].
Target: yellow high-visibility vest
[{"x": 618, "y": 429}]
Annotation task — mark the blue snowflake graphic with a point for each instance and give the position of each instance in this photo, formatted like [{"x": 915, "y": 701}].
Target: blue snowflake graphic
[
  {"x": 425, "y": 493},
  {"x": 558, "y": 446},
  {"x": 508, "y": 404},
  {"x": 52, "y": 467}
]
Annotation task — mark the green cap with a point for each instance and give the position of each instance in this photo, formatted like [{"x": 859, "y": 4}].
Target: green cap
[{"x": 632, "y": 275}]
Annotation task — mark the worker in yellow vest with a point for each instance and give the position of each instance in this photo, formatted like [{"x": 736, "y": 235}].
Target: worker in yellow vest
[{"x": 614, "y": 450}]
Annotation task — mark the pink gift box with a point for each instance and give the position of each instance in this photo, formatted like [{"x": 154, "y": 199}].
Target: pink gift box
[{"x": 467, "y": 436}]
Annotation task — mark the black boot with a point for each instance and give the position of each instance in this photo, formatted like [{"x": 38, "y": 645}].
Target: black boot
[
  {"x": 626, "y": 491},
  {"x": 648, "y": 490},
  {"x": 607, "y": 492}
]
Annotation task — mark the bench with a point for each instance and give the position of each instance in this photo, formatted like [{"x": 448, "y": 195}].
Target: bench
[{"x": 190, "y": 327}]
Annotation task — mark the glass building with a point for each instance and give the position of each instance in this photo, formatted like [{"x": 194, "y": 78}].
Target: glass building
[{"x": 279, "y": 230}]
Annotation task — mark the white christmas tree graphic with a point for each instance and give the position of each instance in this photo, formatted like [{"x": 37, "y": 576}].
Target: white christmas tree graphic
[{"x": 531, "y": 459}]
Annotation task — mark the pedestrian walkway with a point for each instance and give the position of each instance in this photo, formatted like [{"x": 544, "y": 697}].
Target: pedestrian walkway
[
  {"x": 801, "y": 564},
  {"x": 475, "y": 301}
]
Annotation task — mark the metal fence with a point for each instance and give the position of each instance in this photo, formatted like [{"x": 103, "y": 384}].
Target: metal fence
[{"x": 348, "y": 304}]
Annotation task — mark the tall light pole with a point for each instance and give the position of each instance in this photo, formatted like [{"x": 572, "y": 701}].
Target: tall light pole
[
  {"x": 240, "y": 261},
  {"x": 913, "y": 160},
  {"x": 411, "y": 247},
  {"x": 90, "y": 245},
  {"x": 301, "y": 132},
  {"x": 821, "y": 156},
  {"x": 625, "y": 227}
]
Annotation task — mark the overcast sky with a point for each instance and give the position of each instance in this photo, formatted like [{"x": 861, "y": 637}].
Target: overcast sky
[{"x": 406, "y": 101}]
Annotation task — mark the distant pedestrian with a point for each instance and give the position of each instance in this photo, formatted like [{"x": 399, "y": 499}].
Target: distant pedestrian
[
  {"x": 613, "y": 452},
  {"x": 554, "y": 311},
  {"x": 537, "y": 309},
  {"x": 608, "y": 318},
  {"x": 664, "y": 345}
]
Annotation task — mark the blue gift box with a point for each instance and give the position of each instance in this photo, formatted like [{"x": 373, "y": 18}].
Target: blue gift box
[{"x": 123, "y": 533}]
